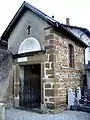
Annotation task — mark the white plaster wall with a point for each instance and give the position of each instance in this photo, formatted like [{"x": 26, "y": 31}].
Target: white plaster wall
[{"x": 19, "y": 33}]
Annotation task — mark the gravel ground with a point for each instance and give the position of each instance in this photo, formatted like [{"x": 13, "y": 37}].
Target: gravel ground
[{"x": 16, "y": 114}]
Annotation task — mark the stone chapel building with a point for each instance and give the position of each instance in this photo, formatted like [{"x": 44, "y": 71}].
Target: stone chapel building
[{"x": 39, "y": 61}]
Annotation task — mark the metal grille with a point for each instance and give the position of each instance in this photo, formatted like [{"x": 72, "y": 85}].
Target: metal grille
[{"x": 30, "y": 98}]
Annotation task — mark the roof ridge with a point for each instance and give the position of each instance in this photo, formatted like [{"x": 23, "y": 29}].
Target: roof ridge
[{"x": 25, "y": 6}]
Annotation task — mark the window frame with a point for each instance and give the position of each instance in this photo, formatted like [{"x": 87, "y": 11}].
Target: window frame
[{"x": 71, "y": 55}]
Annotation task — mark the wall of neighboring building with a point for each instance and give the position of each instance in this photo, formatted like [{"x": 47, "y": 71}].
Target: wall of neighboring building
[
  {"x": 20, "y": 33},
  {"x": 6, "y": 75},
  {"x": 60, "y": 76},
  {"x": 86, "y": 39}
]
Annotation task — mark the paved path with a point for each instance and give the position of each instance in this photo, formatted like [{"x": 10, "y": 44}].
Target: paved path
[{"x": 16, "y": 114}]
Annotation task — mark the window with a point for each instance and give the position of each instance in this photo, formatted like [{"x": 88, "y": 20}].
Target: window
[{"x": 71, "y": 55}]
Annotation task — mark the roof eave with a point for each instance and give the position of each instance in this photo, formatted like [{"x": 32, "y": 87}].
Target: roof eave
[
  {"x": 69, "y": 34},
  {"x": 20, "y": 12},
  {"x": 85, "y": 30}
]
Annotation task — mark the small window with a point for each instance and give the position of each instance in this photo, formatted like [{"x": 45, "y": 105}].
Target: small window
[{"x": 71, "y": 55}]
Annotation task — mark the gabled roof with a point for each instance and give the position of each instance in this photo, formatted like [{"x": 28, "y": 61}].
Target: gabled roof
[
  {"x": 26, "y": 6},
  {"x": 84, "y": 30}
]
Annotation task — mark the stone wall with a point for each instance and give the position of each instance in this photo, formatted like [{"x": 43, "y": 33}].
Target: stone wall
[
  {"x": 59, "y": 76},
  {"x": 56, "y": 75},
  {"x": 6, "y": 77}
]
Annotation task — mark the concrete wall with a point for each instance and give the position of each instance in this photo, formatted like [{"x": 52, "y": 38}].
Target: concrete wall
[
  {"x": 6, "y": 77},
  {"x": 20, "y": 31}
]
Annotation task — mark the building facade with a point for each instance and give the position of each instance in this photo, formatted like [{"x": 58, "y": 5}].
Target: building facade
[{"x": 44, "y": 61}]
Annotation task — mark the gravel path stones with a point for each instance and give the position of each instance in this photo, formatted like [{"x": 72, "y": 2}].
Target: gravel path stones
[{"x": 16, "y": 114}]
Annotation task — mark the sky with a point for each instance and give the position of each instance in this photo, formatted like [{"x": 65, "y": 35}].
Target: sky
[{"x": 76, "y": 10}]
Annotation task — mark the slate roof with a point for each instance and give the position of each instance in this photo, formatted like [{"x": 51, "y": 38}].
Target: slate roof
[
  {"x": 84, "y": 30},
  {"x": 26, "y": 6}
]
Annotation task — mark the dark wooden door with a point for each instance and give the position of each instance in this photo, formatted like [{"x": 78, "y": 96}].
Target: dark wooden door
[{"x": 31, "y": 94}]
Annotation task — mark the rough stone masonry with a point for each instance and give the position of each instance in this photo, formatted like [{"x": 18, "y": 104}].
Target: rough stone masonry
[
  {"x": 6, "y": 75},
  {"x": 61, "y": 77}
]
